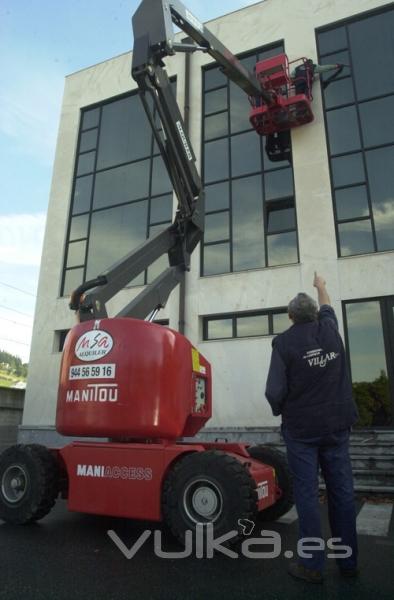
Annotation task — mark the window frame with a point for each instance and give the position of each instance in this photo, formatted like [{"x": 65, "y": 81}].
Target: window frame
[
  {"x": 265, "y": 167},
  {"x": 386, "y": 303},
  {"x": 362, "y": 150},
  {"x": 206, "y": 319},
  {"x": 153, "y": 154}
]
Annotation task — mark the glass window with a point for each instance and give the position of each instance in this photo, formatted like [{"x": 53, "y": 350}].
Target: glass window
[
  {"x": 161, "y": 209},
  {"x": 82, "y": 194},
  {"x": 217, "y": 196},
  {"x": 348, "y": 169},
  {"x": 380, "y": 168},
  {"x": 248, "y": 224},
  {"x": 216, "y": 161},
  {"x": 215, "y": 101},
  {"x": 352, "y": 203},
  {"x": 239, "y": 325},
  {"x": 342, "y": 58},
  {"x": 113, "y": 233},
  {"x": 278, "y": 184},
  {"x": 141, "y": 188},
  {"x": 339, "y": 92},
  {"x": 214, "y": 78},
  {"x": 355, "y": 237},
  {"x": 216, "y": 259},
  {"x": 282, "y": 249},
  {"x": 216, "y": 126},
  {"x": 219, "y": 328},
  {"x": 281, "y": 322},
  {"x": 249, "y": 62},
  {"x": 79, "y": 227},
  {"x": 76, "y": 254},
  {"x": 363, "y": 132},
  {"x": 279, "y": 220},
  {"x": 245, "y": 154},
  {"x": 330, "y": 41},
  {"x": 371, "y": 41},
  {"x": 343, "y": 131},
  {"x": 90, "y": 118},
  {"x": 377, "y": 121},
  {"x": 86, "y": 163},
  {"x": 239, "y": 109},
  {"x": 217, "y": 227},
  {"x": 88, "y": 140},
  {"x": 237, "y": 189},
  {"x": 73, "y": 278},
  {"x": 122, "y": 184},
  {"x": 368, "y": 360},
  {"x": 160, "y": 180},
  {"x": 248, "y": 326},
  {"x": 125, "y": 134}
]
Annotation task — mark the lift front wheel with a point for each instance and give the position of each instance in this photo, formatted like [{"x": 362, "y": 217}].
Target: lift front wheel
[
  {"x": 28, "y": 483},
  {"x": 208, "y": 487}
]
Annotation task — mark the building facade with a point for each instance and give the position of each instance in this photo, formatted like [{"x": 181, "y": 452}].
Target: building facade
[{"x": 268, "y": 225}]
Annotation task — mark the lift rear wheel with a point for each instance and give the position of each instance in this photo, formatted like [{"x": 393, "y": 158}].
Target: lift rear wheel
[
  {"x": 278, "y": 461},
  {"x": 208, "y": 487},
  {"x": 28, "y": 483}
]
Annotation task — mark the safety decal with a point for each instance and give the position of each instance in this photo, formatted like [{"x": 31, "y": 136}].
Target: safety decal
[{"x": 196, "y": 360}]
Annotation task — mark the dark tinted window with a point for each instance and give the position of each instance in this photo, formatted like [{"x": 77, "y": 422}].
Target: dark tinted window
[
  {"x": 371, "y": 44},
  {"x": 124, "y": 133},
  {"x": 132, "y": 193},
  {"x": 241, "y": 184},
  {"x": 359, "y": 112},
  {"x": 248, "y": 228},
  {"x": 369, "y": 329},
  {"x": 216, "y": 160},
  {"x": 122, "y": 184},
  {"x": 239, "y": 325},
  {"x": 82, "y": 194},
  {"x": 115, "y": 232}
]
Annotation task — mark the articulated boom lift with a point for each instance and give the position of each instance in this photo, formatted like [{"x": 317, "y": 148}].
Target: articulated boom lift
[{"x": 139, "y": 387}]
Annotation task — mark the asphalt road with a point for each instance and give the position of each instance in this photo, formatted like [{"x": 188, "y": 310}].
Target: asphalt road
[{"x": 70, "y": 556}]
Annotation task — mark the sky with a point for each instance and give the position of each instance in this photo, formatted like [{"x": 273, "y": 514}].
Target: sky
[{"x": 42, "y": 41}]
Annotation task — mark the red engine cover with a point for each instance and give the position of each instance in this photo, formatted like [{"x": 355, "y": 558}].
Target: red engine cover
[{"x": 131, "y": 378}]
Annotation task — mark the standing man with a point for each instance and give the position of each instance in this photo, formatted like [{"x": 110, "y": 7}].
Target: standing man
[{"x": 308, "y": 384}]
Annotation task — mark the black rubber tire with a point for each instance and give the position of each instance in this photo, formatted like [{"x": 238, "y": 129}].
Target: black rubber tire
[
  {"x": 278, "y": 461},
  {"x": 227, "y": 476},
  {"x": 39, "y": 481}
]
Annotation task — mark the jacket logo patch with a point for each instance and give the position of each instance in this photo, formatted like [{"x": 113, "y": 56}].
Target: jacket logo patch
[{"x": 316, "y": 358}]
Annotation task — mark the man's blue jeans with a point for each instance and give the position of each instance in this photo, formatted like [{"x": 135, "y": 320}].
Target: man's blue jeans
[{"x": 331, "y": 452}]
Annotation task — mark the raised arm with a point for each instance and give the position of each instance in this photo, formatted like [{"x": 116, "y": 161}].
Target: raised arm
[{"x": 322, "y": 294}]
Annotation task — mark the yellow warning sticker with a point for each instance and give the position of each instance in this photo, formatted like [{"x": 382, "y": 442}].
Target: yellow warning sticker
[{"x": 196, "y": 360}]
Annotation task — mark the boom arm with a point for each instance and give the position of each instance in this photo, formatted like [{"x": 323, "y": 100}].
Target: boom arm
[{"x": 153, "y": 41}]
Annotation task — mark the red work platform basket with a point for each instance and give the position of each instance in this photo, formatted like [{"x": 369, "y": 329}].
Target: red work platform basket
[{"x": 291, "y": 96}]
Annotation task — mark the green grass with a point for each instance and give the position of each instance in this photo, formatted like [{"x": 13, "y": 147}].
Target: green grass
[{"x": 7, "y": 379}]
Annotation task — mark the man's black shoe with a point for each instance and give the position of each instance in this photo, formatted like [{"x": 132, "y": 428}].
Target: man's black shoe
[
  {"x": 349, "y": 572},
  {"x": 300, "y": 572}
]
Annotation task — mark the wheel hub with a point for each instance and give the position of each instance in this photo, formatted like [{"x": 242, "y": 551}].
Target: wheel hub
[
  {"x": 202, "y": 501},
  {"x": 205, "y": 501},
  {"x": 14, "y": 484}
]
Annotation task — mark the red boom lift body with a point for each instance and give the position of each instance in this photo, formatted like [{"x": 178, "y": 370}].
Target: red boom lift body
[{"x": 140, "y": 388}]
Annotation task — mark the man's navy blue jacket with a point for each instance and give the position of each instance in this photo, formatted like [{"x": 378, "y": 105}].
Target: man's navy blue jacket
[{"x": 308, "y": 381}]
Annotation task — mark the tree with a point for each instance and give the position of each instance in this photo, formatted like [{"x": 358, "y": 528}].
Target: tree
[{"x": 373, "y": 401}]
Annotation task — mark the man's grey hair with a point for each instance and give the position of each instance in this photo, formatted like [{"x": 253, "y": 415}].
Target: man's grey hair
[{"x": 302, "y": 309}]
